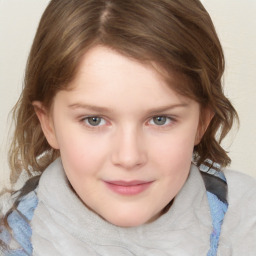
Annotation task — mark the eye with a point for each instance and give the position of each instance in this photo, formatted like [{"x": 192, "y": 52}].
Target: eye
[
  {"x": 160, "y": 120},
  {"x": 94, "y": 121}
]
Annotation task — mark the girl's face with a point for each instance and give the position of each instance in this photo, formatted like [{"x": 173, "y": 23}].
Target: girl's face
[{"x": 125, "y": 138}]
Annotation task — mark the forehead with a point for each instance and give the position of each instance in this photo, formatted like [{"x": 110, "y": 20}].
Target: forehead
[
  {"x": 103, "y": 69},
  {"x": 110, "y": 83}
]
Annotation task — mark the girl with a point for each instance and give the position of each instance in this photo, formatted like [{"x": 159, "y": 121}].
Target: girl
[{"x": 119, "y": 97}]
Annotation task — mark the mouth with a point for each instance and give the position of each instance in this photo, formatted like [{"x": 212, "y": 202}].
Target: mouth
[{"x": 128, "y": 187}]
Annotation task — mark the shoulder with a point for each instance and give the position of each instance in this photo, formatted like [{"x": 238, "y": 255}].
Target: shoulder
[
  {"x": 23, "y": 200},
  {"x": 241, "y": 187},
  {"x": 239, "y": 226},
  {"x": 241, "y": 195},
  {"x": 16, "y": 233},
  {"x": 236, "y": 175}
]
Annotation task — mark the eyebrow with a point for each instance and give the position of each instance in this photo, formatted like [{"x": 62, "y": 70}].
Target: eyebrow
[
  {"x": 101, "y": 109},
  {"x": 89, "y": 107}
]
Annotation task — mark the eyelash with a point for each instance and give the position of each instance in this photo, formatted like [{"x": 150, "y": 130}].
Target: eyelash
[
  {"x": 170, "y": 119},
  {"x": 85, "y": 121},
  {"x": 167, "y": 121}
]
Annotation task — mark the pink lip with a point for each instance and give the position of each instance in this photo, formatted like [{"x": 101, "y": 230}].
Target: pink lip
[{"x": 128, "y": 187}]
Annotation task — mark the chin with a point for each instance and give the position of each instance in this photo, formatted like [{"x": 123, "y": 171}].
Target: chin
[
  {"x": 130, "y": 220},
  {"x": 127, "y": 223}
]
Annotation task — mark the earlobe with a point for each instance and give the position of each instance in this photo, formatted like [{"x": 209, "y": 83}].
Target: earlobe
[
  {"x": 47, "y": 124},
  {"x": 205, "y": 120}
]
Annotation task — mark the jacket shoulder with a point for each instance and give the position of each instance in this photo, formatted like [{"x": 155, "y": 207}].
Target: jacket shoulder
[
  {"x": 239, "y": 232},
  {"x": 240, "y": 186},
  {"x": 16, "y": 237}
]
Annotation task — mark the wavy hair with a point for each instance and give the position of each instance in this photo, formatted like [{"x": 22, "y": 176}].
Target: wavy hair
[{"x": 176, "y": 35}]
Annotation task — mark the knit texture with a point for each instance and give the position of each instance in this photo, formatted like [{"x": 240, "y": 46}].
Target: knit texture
[{"x": 18, "y": 221}]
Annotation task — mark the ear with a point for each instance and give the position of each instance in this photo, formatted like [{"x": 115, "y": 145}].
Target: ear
[
  {"x": 205, "y": 118},
  {"x": 47, "y": 124}
]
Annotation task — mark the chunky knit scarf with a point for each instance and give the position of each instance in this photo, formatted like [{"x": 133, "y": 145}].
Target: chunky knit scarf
[{"x": 62, "y": 225}]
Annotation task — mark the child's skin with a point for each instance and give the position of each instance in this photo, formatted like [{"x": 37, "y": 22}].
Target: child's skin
[{"x": 126, "y": 141}]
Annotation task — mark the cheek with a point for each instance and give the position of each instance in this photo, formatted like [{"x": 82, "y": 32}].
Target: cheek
[
  {"x": 82, "y": 154},
  {"x": 174, "y": 152}
]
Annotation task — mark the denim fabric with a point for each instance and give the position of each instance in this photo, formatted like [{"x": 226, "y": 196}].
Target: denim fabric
[
  {"x": 18, "y": 221},
  {"x": 216, "y": 187}
]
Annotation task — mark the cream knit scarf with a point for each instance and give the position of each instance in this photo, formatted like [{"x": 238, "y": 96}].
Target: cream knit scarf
[{"x": 63, "y": 225}]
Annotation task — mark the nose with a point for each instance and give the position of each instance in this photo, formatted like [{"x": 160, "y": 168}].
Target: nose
[{"x": 129, "y": 149}]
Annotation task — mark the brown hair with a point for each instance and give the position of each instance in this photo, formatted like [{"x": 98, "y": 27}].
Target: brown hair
[{"x": 177, "y": 35}]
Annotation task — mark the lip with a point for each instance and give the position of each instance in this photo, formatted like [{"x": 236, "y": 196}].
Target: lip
[{"x": 128, "y": 187}]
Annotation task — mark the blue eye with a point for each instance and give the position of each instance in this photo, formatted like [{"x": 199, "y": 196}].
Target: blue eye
[
  {"x": 94, "y": 121},
  {"x": 160, "y": 120}
]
